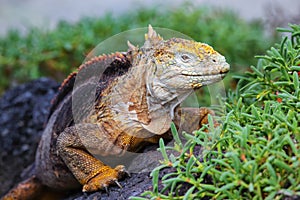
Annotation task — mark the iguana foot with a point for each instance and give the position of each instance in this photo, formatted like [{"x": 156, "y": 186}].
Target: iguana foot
[
  {"x": 203, "y": 115},
  {"x": 190, "y": 119},
  {"x": 104, "y": 179}
]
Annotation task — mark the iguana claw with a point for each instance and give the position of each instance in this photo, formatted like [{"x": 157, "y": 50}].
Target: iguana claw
[
  {"x": 118, "y": 184},
  {"x": 106, "y": 189}
]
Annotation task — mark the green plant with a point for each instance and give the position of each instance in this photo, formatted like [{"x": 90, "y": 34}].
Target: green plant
[
  {"x": 255, "y": 153},
  {"x": 58, "y": 52}
]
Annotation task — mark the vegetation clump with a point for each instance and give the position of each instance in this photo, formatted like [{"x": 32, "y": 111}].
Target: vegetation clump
[{"x": 255, "y": 153}]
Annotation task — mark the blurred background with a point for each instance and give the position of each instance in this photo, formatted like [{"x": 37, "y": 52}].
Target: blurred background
[
  {"x": 47, "y": 13},
  {"x": 51, "y": 38}
]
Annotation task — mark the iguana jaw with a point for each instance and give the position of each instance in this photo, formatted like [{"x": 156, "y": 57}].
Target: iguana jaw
[
  {"x": 222, "y": 72},
  {"x": 202, "y": 80},
  {"x": 198, "y": 80},
  {"x": 185, "y": 80}
]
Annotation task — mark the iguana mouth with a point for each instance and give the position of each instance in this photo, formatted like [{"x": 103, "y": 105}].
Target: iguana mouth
[
  {"x": 209, "y": 73},
  {"x": 204, "y": 75}
]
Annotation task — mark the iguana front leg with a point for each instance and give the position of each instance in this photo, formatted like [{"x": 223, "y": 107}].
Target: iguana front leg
[
  {"x": 72, "y": 145},
  {"x": 190, "y": 119}
]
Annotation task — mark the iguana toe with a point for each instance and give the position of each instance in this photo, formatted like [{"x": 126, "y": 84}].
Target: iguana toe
[{"x": 103, "y": 180}]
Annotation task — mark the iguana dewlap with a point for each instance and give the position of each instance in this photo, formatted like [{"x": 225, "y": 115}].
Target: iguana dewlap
[{"x": 134, "y": 102}]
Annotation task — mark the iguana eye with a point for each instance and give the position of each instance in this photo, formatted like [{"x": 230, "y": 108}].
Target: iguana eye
[{"x": 185, "y": 57}]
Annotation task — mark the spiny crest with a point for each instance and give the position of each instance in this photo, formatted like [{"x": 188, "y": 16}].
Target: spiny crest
[
  {"x": 98, "y": 59},
  {"x": 131, "y": 47},
  {"x": 152, "y": 38}
]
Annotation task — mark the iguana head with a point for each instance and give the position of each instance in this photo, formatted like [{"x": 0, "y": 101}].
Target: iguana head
[
  {"x": 188, "y": 64},
  {"x": 178, "y": 65}
]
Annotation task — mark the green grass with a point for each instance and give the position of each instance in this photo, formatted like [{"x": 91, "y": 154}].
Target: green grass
[
  {"x": 58, "y": 52},
  {"x": 255, "y": 152}
]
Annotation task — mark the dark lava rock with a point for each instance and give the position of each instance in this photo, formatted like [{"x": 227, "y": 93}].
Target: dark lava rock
[{"x": 24, "y": 110}]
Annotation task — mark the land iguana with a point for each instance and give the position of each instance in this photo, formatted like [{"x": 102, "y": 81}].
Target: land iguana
[{"x": 135, "y": 100}]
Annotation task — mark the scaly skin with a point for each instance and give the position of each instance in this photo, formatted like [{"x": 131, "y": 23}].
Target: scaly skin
[{"x": 135, "y": 101}]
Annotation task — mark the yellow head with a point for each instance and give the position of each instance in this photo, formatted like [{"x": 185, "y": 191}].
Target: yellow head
[{"x": 179, "y": 64}]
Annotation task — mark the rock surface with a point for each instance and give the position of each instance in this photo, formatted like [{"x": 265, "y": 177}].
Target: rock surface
[{"x": 24, "y": 110}]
